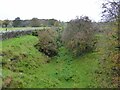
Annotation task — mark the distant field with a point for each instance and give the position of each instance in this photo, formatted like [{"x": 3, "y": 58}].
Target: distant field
[{"x": 21, "y": 28}]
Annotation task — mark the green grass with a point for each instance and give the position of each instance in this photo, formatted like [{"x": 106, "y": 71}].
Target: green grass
[
  {"x": 30, "y": 69},
  {"x": 22, "y": 49},
  {"x": 21, "y": 28}
]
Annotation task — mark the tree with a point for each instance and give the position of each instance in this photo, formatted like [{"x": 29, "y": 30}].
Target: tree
[
  {"x": 17, "y": 22},
  {"x": 5, "y": 23},
  {"x": 35, "y": 22},
  {"x": 56, "y": 23},
  {"x": 111, "y": 10},
  {"x": 78, "y": 35},
  {"x": 51, "y": 22},
  {"x": 1, "y": 23},
  {"x": 47, "y": 42},
  {"x": 25, "y": 23}
]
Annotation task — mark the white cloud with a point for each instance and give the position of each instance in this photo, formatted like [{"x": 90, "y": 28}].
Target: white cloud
[{"x": 59, "y": 9}]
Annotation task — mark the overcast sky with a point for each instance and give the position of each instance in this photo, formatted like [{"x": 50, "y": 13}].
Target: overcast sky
[{"x": 63, "y": 10}]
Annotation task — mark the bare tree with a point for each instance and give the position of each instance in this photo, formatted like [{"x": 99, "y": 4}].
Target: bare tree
[{"x": 111, "y": 10}]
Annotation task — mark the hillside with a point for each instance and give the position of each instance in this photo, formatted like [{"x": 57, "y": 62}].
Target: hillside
[{"x": 24, "y": 66}]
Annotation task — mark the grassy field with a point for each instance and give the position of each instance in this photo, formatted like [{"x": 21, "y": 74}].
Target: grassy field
[
  {"x": 26, "y": 67},
  {"x": 21, "y": 28}
]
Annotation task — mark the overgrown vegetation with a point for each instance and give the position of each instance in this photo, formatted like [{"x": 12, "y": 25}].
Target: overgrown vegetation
[
  {"x": 25, "y": 66},
  {"x": 77, "y": 54},
  {"x": 111, "y": 11},
  {"x": 79, "y": 36},
  {"x": 47, "y": 42}
]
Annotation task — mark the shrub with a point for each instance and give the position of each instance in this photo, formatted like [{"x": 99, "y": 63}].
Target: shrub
[
  {"x": 47, "y": 42},
  {"x": 78, "y": 35},
  {"x": 35, "y": 33}
]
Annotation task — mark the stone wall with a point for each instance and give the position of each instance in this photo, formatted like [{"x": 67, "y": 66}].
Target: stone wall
[{"x": 11, "y": 34}]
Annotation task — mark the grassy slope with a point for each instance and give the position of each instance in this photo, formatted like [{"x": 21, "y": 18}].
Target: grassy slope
[
  {"x": 25, "y": 55},
  {"x": 30, "y": 68}
]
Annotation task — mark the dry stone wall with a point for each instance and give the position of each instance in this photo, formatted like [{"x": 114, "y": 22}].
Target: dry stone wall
[{"x": 12, "y": 34}]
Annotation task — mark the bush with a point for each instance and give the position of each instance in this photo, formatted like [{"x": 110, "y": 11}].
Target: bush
[
  {"x": 35, "y": 33},
  {"x": 78, "y": 35},
  {"x": 47, "y": 42}
]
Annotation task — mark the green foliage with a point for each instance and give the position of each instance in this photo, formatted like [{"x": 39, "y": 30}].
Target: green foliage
[
  {"x": 109, "y": 57},
  {"x": 28, "y": 68},
  {"x": 5, "y": 23},
  {"x": 47, "y": 42},
  {"x": 35, "y": 22},
  {"x": 17, "y": 22},
  {"x": 79, "y": 35},
  {"x": 31, "y": 69},
  {"x": 52, "y": 22},
  {"x": 1, "y": 23},
  {"x": 23, "y": 66}
]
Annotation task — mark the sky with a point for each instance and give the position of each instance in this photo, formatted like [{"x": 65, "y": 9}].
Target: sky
[{"x": 63, "y": 10}]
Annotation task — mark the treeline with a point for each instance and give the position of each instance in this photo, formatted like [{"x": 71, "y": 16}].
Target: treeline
[{"x": 34, "y": 22}]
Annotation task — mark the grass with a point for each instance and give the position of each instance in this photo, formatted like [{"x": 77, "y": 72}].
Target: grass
[
  {"x": 19, "y": 52},
  {"x": 76, "y": 73},
  {"x": 30, "y": 68},
  {"x": 21, "y": 28},
  {"x": 23, "y": 66}
]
